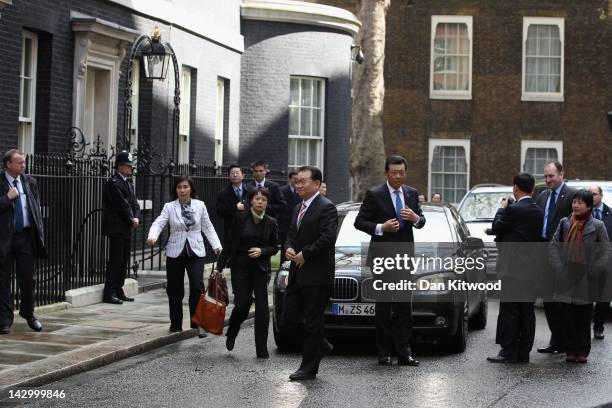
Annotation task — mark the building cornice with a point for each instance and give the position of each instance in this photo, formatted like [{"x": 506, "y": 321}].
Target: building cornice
[{"x": 299, "y": 12}]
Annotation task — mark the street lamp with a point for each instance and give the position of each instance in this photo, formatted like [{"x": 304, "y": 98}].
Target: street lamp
[{"x": 155, "y": 57}]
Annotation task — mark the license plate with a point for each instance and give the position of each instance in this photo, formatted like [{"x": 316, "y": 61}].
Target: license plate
[{"x": 353, "y": 309}]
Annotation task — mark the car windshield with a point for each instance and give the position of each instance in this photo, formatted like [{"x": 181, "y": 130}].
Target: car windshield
[
  {"x": 436, "y": 229},
  {"x": 481, "y": 206}
]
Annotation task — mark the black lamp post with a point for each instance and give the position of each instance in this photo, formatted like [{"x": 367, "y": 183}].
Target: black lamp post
[{"x": 155, "y": 57}]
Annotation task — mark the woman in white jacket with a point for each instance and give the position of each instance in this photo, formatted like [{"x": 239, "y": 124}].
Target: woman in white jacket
[{"x": 188, "y": 219}]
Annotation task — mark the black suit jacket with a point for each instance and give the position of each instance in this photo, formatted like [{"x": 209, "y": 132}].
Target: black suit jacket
[
  {"x": 268, "y": 241},
  {"x": 226, "y": 205},
  {"x": 316, "y": 240},
  {"x": 518, "y": 223},
  {"x": 120, "y": 207},
  {"x": 277, "y": 204},
  {"x": 7, "y": 216},
  {"x": 292, "y": 199},
  {"x": 378, "y": 207},
  {"x": 607, "y": 220},
  {"x": 563, "y": 208}
]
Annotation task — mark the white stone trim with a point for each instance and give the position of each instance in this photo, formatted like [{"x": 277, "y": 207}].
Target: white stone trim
[
  {"x": 287, "y": 11},
  {"x": 540, "y": 144}
]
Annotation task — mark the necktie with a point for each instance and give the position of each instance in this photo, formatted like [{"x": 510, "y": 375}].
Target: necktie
[
  {"x": 398, "y": 207},
  {"x": 598, "y": 214},
  {"x": 18, "y": 211},
  {"x": 551, "y": 206},
  {"x": 301, "y": 214},
  {"x": 239, "y": 193}
]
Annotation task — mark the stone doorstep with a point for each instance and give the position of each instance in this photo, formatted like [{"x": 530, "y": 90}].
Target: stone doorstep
[
  {"x": 87, "y": 358},
  {"x": 90, "y": 295}
]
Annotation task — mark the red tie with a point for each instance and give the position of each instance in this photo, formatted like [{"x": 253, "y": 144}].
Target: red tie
[{"x": 301, "y": 214}]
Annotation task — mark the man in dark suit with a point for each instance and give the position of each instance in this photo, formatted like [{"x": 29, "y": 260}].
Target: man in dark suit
[
  {"x": 520, "y": 222},
  {"x": 121, "y": 217},
  {"x": 556, "y": 202},
  {"x": 388, "y": 214},
  {"x": 232, "y": 199},
  {"x": 311, "y": 250},
  {"x": 277, "y": 205},
  {"x": 292, "y": 199},
  {"x": 602, "y": 308},
  {"x": 22, "y": 239}
]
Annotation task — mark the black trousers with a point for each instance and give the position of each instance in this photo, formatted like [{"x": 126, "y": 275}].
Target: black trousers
[
  {"x": 249, "y": 280},
  {"x": 600, "y": 315},
  {"x": 516, "y": 328},
  {"x": 308, "y": 303},
  {"x": 21, "y": 257},
  {"x": 117, "y": 265},
  {"x": 577, "y": 328},
  {"x": 554, "y": 318},
  {"x": 393, "y": 328},
  {"x": 175, "y": 286}
]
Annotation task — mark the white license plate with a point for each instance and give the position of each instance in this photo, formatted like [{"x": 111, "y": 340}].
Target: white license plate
[{"x": 353, "y": 309}]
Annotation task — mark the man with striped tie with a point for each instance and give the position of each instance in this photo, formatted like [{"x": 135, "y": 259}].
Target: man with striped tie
[{"x": 311, "y": 250}]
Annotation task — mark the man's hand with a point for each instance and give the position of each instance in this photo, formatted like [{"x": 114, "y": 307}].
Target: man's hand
[
  {"x": 299, "y": 260},
  {"x": 408, "y": 215},
  {"x": 254, "y": 252},
  {"x": 504, "y": 202},
  {"x": 151, "y": 242},
  {"x": 391, "y": 225},
  {"x": 135, "y": 223},
  {"x": 240, "y": 206},
  {"x": 290, "y": 254},
  {"x": 13, "y": 193},
  {"x": 217, "y": 251}
]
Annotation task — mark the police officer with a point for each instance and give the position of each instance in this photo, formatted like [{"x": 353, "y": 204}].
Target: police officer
[{"x": 121, "y": 216}]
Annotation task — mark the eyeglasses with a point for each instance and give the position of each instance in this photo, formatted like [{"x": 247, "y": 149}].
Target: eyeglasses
[
  {"x": 396, "y": 173},
  {"x": 302, "y": 181}
]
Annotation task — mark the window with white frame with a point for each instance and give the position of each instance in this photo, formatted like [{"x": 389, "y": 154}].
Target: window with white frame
[
  {"x": 451, "y": 57},
  {"x": 543, "y": 53},
  {"x": 27, "y": 91},
  {"x": 185, "y": 115},
  {"x": 449, "y": 168},
  {"x": 306, "y": 122},
  {"x": 220, "y": 121},
  {"x": 536, "y": 153}
]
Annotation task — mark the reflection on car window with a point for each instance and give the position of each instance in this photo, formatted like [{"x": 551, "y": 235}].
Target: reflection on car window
[
  {"x": 436, "y": 229},
  {"x": 481, "y": 206}
]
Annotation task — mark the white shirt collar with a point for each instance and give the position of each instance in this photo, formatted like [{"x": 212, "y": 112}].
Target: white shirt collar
[
  {"x": 523, "y": 198},
  {"x": 260, "y": 183},
  {"x": 10, "y": 178},
  {"x": 309, "y": 201},
  {"x": 392, "y": 190},
  {"x": 600, "y": 207}
]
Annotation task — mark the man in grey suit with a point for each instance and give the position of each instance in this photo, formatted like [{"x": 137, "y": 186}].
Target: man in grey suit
[{"x": 556, "y": 201}]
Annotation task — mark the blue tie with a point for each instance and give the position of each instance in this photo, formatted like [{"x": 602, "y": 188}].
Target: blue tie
[
  {"x": 598, "y": 214},
  {"x": 239, "y": 194},
  {"x": 18, "y": 211},
  {"x": 398, "y": 207}
]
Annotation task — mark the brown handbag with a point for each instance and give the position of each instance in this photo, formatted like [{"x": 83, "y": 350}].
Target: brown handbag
[{"x": 210, "y": 311}]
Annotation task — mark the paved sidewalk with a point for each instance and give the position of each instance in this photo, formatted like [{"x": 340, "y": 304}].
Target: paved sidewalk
[{"x": 80, "y": 339}]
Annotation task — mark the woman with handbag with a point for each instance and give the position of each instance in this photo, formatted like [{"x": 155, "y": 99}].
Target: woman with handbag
[
  {"x": 253, "y": 239},
  {"x": 188, "y": 219},
  {"x": 579, "y": 254}
]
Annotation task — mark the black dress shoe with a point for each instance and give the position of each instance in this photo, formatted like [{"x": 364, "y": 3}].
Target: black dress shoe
[
  {"x": 500, "y": 358},
  {"x": 5, "y": 330},
  {"x": 407, "y": 361},
  {"x": 263, "y": 354},
  {"x": 598, "y": 334},
  {"x": 549, "y": 350},
  {"x": 385, "y": 361},
  {"x": 113, "y": 300},
  {"x": 229, "y": 342},
  {"x": 300, "y": 375},
  {"x": 201, "y": 332},
  {"x": 33, "y": 322},
  {"x": 523, "y": 359},
  {"x": 125, "y": 298},
  {"x": 175, "y": 329}
]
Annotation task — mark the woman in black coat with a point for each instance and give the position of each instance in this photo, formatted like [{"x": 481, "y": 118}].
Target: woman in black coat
[{"x": 252, "y": 240}]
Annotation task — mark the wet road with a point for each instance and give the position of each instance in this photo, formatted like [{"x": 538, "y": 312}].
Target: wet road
[{"x": 197, "y": 373}]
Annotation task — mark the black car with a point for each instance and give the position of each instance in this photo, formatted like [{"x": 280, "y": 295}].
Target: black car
[{"x": 437, "y": 315}]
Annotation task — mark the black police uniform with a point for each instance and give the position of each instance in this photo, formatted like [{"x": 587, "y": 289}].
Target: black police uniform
[{"x": 120, "y": 209}]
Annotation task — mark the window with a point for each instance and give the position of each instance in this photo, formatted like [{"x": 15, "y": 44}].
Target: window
[
  {"x": 535, "y": 154},
  {"x": 451, "y": 57},
  {"x": 222, "y": 118},
  {"x": 449, "y": 168},
  {"x": 27, "y": 91},
  {"x": 543, "y": 41},
  {"x": 306, "y": 117},
  {"x": 185, "y": 115}
]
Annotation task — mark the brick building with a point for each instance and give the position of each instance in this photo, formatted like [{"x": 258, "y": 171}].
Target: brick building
[
  {"x": 478, "y": 90},
  {"x": 258, "y": 79}
]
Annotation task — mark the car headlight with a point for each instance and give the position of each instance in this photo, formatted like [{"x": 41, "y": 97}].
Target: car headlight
[{"x": 282, "y": 279}]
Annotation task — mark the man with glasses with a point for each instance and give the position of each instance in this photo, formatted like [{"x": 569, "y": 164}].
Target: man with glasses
[
  {"x": 311, "y": 250},
  {"x": 232, "y": 199},
  {"x": 602, "y": 308},
  {"x": 388, "y": 214}
]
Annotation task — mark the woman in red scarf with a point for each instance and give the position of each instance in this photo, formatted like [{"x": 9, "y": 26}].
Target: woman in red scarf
[{"x": 579, "y": 253}]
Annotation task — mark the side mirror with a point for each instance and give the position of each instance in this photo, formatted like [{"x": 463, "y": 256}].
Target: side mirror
[{"x": 472, "y": 243}]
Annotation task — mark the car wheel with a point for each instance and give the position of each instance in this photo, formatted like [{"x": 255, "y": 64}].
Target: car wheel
[
  {"x": 458, "y": 342},
  {"x": 479, "y": 320},
  {"x": 284, "y": 341}
]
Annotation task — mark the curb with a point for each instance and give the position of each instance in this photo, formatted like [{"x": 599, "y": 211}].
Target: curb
[{"x": 105, "y": 353}]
